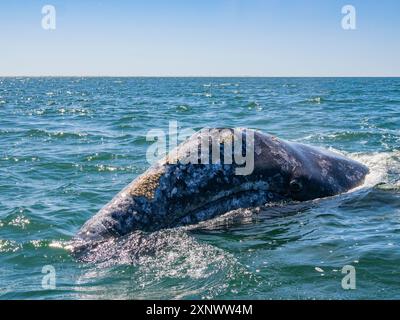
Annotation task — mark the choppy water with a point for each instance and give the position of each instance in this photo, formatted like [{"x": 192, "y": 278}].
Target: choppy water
[{"x": 68, "y": 145}]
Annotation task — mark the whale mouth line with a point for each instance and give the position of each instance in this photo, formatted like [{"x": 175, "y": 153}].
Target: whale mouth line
[{"x": 226, "y": 202}]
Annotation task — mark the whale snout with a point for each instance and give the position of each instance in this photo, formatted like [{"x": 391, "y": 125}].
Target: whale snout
[{"x": 114, "y": 220}]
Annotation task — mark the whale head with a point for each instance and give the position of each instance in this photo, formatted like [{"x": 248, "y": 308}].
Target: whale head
[{"x": 219, "y": 170}]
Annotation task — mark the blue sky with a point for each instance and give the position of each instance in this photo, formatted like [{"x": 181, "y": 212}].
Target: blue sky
[{"x": 200, "y": 37}]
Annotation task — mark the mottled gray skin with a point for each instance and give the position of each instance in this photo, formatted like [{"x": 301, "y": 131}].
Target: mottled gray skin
[{"x": 174, "y": 194}]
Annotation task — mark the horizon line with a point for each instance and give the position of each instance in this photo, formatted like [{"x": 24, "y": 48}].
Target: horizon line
[{"x": 198, "y": 76}]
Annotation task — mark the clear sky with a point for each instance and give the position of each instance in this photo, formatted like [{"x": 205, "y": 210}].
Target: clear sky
[{"x": 200, "y": 37}]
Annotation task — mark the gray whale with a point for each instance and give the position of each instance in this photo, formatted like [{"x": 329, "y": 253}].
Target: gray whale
[{"x": 182, "y": 192}]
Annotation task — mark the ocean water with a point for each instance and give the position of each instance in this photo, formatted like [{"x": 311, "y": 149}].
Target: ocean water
[{"x": 68, "y": 145}]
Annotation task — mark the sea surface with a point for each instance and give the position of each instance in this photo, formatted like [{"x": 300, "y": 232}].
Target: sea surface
[{"x": 68, "y": 145}]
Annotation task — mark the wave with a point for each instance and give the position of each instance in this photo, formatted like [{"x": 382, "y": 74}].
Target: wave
[
  {"x": 317, "y": 100},
  {"x": 384, "y": 167},
  {"x": 54, "y": 134},
  {"x": 331, "y": 101},
  {"x": 160, "y": 257}
]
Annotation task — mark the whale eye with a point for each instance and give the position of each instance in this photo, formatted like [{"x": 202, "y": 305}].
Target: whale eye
[{"x": 295, "y": 186}]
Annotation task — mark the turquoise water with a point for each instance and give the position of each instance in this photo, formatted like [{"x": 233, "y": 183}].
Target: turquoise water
[{"x": 68, "y": 145}]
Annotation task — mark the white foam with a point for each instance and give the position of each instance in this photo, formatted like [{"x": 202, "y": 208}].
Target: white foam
[
  {"x": 384, "y": 167},
  {"x": 378, "y": 166}
]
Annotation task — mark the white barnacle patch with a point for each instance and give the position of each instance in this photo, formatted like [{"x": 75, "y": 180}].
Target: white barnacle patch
[{"x": 174, "y": 191}]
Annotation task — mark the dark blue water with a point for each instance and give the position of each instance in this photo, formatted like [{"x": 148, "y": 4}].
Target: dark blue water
[{"x": 68, "y": 145}]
